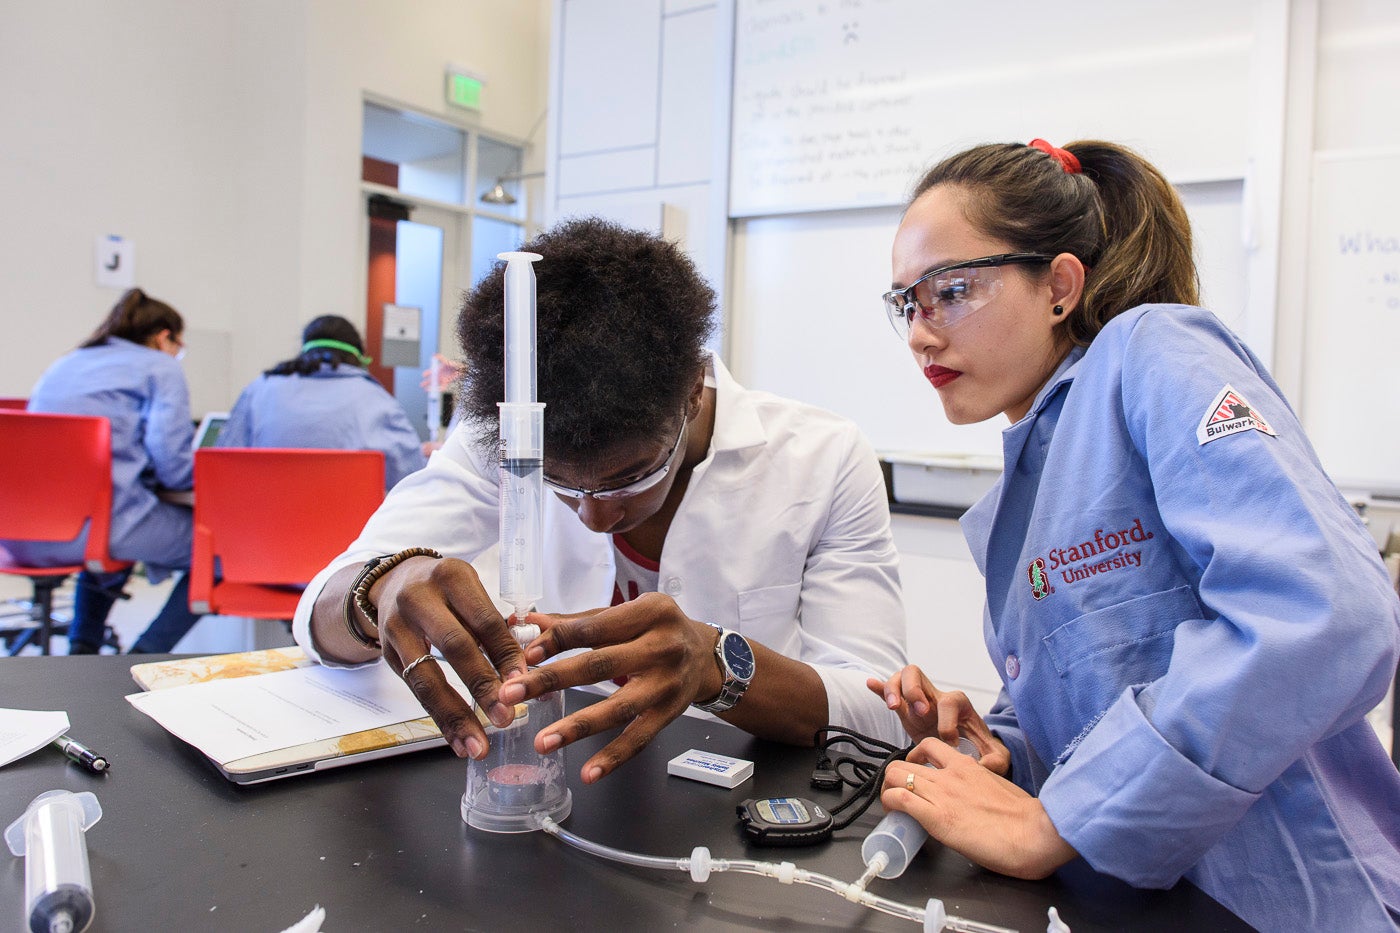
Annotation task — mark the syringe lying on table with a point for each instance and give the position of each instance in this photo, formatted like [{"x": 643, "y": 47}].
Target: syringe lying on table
[
  {"x": 521, "y": 445},
  {"x": 57, "y": 880},
  {"x": 897, "y": 838}
]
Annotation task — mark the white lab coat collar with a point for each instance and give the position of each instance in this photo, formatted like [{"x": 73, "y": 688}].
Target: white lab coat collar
[{"x": 737, "y": 425}]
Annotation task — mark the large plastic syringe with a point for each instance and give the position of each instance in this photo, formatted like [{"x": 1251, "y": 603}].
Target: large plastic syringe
[
  {"x": 57, "y": 881},
  {"x": 897, "y": 838},
  {"x": 522, "y": 444}
]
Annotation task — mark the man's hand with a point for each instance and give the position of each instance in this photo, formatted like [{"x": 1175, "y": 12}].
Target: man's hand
[
  {"x": 666, "y": 658},
  {"x": 426, "y": 603}
]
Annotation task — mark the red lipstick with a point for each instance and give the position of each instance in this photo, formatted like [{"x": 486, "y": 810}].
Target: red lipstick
[{"x": 940, "y": 376}]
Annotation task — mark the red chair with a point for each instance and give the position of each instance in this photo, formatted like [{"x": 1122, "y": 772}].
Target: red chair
[
  {"x": 13, "y": 404},
  {"x": 55, "y": 477},
  {"x": 270, "y": 519}
]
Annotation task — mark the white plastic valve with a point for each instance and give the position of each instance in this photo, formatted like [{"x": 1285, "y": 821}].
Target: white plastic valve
[
  {"x": 700, "y": 864},
  {"x": 935, "y": 916}
]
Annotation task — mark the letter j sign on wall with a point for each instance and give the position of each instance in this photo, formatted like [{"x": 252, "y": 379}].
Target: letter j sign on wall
[{"x": 116, "y": 262}]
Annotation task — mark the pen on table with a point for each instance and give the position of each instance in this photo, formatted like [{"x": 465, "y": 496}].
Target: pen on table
[{"x": 81, "y": 754}]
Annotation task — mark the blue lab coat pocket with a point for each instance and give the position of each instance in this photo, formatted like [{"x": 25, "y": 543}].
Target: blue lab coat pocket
[{"x": 1101, "y": 653}]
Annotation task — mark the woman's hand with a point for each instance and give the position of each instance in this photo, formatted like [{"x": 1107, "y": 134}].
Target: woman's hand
[
  {"x": 663, "y": 661},
  {"x": 448, "y": 372},
  {"x": 973, "y": 811},
  {"x": 927, "y": 711},
  {"x": 426, "y": 603}
]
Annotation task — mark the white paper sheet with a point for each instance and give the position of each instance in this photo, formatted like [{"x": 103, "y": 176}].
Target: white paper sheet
[
  {"x": 235, "y": 718},
  {"x": 23, "y": 731}
]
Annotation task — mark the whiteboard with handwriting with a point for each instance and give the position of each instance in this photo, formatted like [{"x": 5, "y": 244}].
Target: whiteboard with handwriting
[
  {"x": 840, "y": 103},
  {"x": 1351, "y": 357}
]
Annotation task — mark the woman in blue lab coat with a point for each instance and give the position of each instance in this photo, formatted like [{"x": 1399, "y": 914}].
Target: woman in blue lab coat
[
  {"x": 1190, "y": 622},
  {"x": 128, "y": 372},
  {"x": 324, "y": 398}
]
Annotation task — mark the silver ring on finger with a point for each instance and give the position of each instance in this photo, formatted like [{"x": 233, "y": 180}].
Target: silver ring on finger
[{"x": 408, "y": 669}]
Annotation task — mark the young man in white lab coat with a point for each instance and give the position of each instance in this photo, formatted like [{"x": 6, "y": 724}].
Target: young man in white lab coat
[{"x": 714, "y": 546}]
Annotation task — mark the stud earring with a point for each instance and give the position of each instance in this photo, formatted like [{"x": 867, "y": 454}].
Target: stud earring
[{"x": 1058, "y": 310}]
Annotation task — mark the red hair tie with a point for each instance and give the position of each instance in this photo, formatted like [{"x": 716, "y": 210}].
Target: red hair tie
[{"x": 1063, "y": 156}]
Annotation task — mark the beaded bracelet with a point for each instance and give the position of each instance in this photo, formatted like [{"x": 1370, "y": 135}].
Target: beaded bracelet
[{"x": 358, "y": 593}]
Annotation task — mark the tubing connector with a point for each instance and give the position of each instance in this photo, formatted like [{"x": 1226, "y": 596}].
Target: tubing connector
[
  {"x": 935, "y": 917},
  {"x": 524, "y": 632},
  {"x": 700, "y": 864},
  {"x": 878, "y": 863}
]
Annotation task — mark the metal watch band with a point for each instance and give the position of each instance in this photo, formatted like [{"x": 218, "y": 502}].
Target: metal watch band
[
  {"x": 729, "y": 695},
  {"x": 732, "y": 689}
]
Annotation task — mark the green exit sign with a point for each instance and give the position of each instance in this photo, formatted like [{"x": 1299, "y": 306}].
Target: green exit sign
[{"x": 463, "y": 89}]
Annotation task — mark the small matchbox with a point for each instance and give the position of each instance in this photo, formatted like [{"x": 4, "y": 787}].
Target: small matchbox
[{"x": 720, "y": 770}]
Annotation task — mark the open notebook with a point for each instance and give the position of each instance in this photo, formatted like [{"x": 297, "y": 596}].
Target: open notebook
[{"x": 394, "y": 738}]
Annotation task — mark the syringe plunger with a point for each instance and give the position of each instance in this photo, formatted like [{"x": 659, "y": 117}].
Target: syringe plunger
[{"x": 520, "y": 325}]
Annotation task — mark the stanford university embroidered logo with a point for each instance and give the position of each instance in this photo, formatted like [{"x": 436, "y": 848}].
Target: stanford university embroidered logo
[
  {"x": 1040, "y": 584},
  {"x": 1230, "y": 414}
]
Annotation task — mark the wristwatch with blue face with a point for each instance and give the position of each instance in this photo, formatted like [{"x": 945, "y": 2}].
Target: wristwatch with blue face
[{"x": 735, "y": 659}]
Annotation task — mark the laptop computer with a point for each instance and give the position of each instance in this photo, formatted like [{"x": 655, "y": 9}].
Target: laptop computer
[
  {"x": 207, "y": 434},
  {"x": 396, "y": 739}
]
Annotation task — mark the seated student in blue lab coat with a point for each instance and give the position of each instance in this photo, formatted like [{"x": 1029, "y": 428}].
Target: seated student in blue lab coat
[
  {"x": 1190, "y": 621},
  {"x": 677, "y": 500},
  {"x": 324, "y": 398},
  {"x": 128, "y": 372}
]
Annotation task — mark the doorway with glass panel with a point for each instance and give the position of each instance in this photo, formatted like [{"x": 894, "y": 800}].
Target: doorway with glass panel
[{"x": 434, "y": 222}]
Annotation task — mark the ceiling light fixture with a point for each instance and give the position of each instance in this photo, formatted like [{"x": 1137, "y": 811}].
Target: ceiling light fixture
[{"x": 499, "y": 195}]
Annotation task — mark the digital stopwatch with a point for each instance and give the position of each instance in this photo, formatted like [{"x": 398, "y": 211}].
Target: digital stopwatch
[{"x": 784, "y": 821}]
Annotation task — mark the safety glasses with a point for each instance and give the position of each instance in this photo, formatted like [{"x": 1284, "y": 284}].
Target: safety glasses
[
  {"x": 636, "y": 486},
  {"x": 948, "y": 294}
]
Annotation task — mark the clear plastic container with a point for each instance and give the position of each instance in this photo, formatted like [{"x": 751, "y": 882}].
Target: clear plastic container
[{"x": 514, "y": 784}]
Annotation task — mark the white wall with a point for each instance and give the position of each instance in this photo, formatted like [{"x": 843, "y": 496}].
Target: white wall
[
  {"x": 640, "y": 116},
  {"x": 114, "y": 122},
  {"x": 1343, "y": 105},
  {"x": 399, "y": 50},
  {"x": 801, "y": 290},
  {"x": 223, "y": 138}
]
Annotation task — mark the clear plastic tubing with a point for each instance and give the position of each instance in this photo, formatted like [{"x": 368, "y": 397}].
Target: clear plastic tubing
[
  {"x": 57, "y": 880},
  {"x": 700, "y": 866},
  {"x": 522, "y": 443},
  {"x": 899, "y": 836}
]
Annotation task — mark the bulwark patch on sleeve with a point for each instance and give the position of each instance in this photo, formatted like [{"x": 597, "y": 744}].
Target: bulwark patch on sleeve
[{"x": 1231, "y": 414}]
